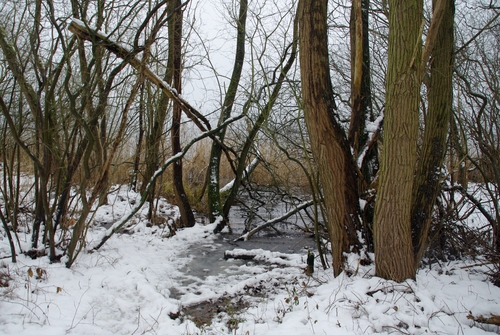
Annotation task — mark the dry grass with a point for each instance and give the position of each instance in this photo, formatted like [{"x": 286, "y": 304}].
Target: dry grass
[
  {"x": 276, "y": 170},
  {"x": 5, "y": 276}
]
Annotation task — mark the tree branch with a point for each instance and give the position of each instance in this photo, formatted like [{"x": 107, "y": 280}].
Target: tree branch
[
  {"x": 271, "y": 222},
  {"x": 81, "y": 30}
]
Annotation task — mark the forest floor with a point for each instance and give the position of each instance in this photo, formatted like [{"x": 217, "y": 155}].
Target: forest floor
[{"x": 141, "y": 282}]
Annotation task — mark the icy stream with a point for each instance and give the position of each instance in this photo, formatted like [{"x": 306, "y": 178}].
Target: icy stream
[{"x": 207, "y": 260}]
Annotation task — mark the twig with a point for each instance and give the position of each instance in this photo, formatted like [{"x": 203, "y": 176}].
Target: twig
[{"x": 473, "y": 265}]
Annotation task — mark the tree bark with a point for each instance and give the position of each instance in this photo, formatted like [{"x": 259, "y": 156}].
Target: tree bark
[
  {"x": 364, "y": 149},
  {"x": 182, "y": 201},
  {"x": 428, "y": 173},
  {"x": 359, "y": 92},
  {"x": 329, "y": 144},
  {"x": 392, "y": 221}
]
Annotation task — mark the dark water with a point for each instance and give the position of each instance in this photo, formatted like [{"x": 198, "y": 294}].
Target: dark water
[{"x": 208, "y": 259}]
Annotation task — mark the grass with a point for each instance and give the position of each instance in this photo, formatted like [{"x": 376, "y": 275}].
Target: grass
[
  {"x": 276, "y": 171},
  {"x": 5, "y": 277}
]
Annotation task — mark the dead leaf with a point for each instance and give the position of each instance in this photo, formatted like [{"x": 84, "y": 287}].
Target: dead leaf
[{"x": 492, "y": 320}]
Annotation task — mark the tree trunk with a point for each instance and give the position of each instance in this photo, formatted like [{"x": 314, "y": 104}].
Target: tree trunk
[
  {"x": 140, "y": 138},
  {"x": 357, "y": 132},
  {"x": 457, "y": 156},
  {"x": 214, "y": 199},
  {"x": 187, "y": 217},
  {"x": 329, "y": 144},
  {"x": 364, "y": 149},
  {"x": 428, "y": 174},
  {"x": 42, "y": 158},
  {"x": 392, "y": 222}
]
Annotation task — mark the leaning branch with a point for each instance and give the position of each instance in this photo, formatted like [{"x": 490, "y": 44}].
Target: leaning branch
[
  {"x": 84, "y": 32},
  {"x": 271, "y": 222},
  {"x": 119, "y": 224},
  {"x": 475, "y": 202},
  {"x": 248, "y": 170},
  {"x": 432, "y": 33}
]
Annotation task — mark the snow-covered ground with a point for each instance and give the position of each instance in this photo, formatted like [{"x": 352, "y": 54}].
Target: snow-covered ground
[{"x": 144, "y": 283}]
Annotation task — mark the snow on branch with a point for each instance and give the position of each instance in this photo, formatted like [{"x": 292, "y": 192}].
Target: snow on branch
[
  {"x": 271, "y": 222},
  {"x": 84, "y": 32},
  {"x": 248, "y": 170},
  {"x": 373, "y": 129}
]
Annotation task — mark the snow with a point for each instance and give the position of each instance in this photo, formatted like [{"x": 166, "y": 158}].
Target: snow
[
  {"x": 371, "y": 128},
  {"x": 138, "y": 281},
  {"x": 248, "y": 169}
]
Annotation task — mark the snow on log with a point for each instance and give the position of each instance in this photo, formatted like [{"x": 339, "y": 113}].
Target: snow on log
[{"x": 260, "y": 255}]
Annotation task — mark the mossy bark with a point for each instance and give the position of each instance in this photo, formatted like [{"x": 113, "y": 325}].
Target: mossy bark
[{"x": 428, "y": 173}]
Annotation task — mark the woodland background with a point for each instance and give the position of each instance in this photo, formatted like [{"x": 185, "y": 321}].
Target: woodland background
[{"x": 376, "y": 116}]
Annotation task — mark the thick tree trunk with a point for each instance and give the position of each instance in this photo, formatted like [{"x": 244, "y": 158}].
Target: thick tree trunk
[
  {"x": 329, "y": 145},
  {"x": 392, "y": 222},
  {"x": 428, "y": 174}
]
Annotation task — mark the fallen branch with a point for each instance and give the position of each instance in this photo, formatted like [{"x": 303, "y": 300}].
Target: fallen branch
[
  {"x": 491, "y": 320},
  {"x": 473, "y": 265},
  {"x": 271, "y": 222}
]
